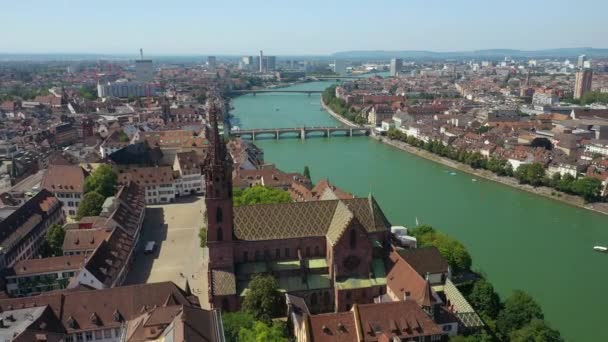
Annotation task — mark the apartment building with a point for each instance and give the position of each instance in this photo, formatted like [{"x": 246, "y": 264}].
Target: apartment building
[{"x": 66, "y": 182}]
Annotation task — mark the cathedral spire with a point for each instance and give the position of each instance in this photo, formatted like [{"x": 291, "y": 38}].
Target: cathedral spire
[{"x": 218, "y": 151}]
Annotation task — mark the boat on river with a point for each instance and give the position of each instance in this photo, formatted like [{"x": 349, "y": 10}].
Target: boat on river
[{"x": 600, "y": 249}]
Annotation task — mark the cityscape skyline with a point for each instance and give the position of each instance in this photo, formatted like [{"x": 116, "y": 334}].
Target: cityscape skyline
[{"x": 311, "y": 28}]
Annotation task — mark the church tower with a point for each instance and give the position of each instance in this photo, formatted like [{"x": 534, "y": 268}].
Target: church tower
[{"x": 218, "y": 196}]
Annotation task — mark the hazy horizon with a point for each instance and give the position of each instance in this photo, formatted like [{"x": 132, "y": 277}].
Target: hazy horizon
[{"x": 312, "y": 28}]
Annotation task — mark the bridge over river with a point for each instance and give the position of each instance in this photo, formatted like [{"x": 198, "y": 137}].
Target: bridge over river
[
  {"x": 301, "y": 132},
  {"x": 262, "y": 91}
]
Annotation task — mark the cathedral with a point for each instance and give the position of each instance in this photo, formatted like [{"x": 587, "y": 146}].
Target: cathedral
[{"x": 331, "y": 253}]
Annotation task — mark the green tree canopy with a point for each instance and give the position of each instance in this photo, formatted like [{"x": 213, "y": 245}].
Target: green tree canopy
[
  {"x": 233, "y": 322},
  {"x": 102, "y": 181},
  {"x": 536, "y": 331},
  {"x": 454, "y": 252},
  {"x": 54, "y": 238},
  {"x": 262, "y": 332},
  {"x": 532, "y": 174},
  {"x": 260, "y": 195},
  {"x": 587, "y": 187},
  {"x": 484, "y": 299},
  {"x": 262, "y": 297},
  {"x": 90, "y": 205},
  {"x": 519, "y": 309}
]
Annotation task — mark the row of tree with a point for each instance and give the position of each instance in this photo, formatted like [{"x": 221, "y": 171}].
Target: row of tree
[
  {"x": 517, "y": 319},
  {"x": 533, "y": 174},
  {"x": 339, "y": 106},
  {"x": 589, "y": 98}
]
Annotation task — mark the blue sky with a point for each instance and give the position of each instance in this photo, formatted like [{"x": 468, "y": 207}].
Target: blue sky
[{"x": 283, "y": 27}]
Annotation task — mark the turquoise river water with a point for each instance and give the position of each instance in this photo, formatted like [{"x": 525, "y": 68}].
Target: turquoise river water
[{"x": 519, "y": 240}]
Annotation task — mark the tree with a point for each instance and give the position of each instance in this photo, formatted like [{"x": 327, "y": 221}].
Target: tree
[
  {"x": 484, "y": 299},
  {"x": 542, "y": 142},
  {"x": 260, "y": 195},
  {"x": 233, "y": 322},
  {"x": 54, "y": 238},
  {"x": 307, "y": 172},
  {"x": 262, "y": 332},
  {"x": 91, "y": 205},
  {"x": 454, "y": 252},
  {"x": 262, "y": 297},
  {"x": 519, "y": 309},
  {"x": 102, "y": 181},
  {"x": 587, "y": 187},
  {"x": 532, "y": 174},
  {"x": 536, "y": 331}
]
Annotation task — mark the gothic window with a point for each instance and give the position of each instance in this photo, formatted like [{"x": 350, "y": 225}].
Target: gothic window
[
  {"x": 257, "y": 255},
  {"x": 219, "y": 215},
  {"x": 220, "y": 234},
  {"x": 326, "y": 298},
  {"x": 245, "y": 256},
  {"x": 278, "y": 253},
  {"x": 353, "y": 239},
  {"x": 317, "y": 251},
  {"x": 287, "y": 252},
  {"x": 225, "y": 304}
]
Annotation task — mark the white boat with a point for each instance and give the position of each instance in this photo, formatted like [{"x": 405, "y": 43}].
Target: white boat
[
  {"x": 600, "y": 249},
  {"x": 474, "y": 180}
]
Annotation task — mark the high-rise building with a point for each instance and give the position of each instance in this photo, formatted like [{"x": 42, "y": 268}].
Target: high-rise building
[
  {"x": 144, "y": 71},
  {"x": 396, "y": 66},
  {"x": 582, "y": 83},
  {"x": 271, "y": 63},
  {"x": 247, "y": 63},
  {"x": 340, "y": 67},
  {"x": 261, "y": 62},
  {"x": 211, "y": 62},
  {"x": 581, "y": 61}
]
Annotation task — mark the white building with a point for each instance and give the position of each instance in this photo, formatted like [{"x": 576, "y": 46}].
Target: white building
[
  {"x": 190, "y": 180},
  {"x": 340, "y": 67},
  {"x": 123, "y": 89},
  {"x": 66, "y": 182},
  {"x": 597, "y": 146}
]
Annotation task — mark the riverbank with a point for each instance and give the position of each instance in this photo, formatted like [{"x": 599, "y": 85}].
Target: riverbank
[
  {"x": 544, "y": 191},
  {"x": 336, "y": 116}
]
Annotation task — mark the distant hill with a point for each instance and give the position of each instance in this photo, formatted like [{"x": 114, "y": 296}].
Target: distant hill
[{"x": 490, "y": 53}]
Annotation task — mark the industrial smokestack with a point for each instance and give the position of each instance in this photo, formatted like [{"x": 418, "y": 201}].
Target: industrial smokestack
[{"x": 141, "y": 53}]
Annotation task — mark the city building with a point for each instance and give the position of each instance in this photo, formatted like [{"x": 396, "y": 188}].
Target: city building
[
  {"x": 8, "y": 149},
  {"x": 66, "y": 182},
  {"x": 340, "y": 67},
  {"x": 271, "y": 63},
  {"x": 544, "y": 99},
  {"x": 136, "y": 313},
  {"x": 581, "y": 61},
  {"x": 396, "y": 66},
  {"x": 187, "y": 165},
  {"x": 211, "y": 62},
  {"x": 158, "y": 182},
  {"x": 144, "y": 70},
  {"x": 582, "y": 83},
  {"x": 23, "y": 231},
  {"x": 124, "y": 89},
  {"x": 247, "y": 63},
  {"x": 33, "y": 276},
  {"x": 261, "y": 62}
]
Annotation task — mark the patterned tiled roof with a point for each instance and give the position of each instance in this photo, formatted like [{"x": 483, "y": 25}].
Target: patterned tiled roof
[
  {"x": 224, "y": 282},
  {"x": 303, "y": 219},
  {"x": 342, "y": 218}
]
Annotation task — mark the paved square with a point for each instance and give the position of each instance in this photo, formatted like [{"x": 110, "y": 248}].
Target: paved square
[{"x": 178, "y": 256}]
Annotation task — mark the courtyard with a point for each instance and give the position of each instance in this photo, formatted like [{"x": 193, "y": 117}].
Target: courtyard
[{"x": 177, "y": 257}]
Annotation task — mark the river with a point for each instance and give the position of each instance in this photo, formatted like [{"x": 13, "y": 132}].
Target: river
[{"x": 519, "y": 240}]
